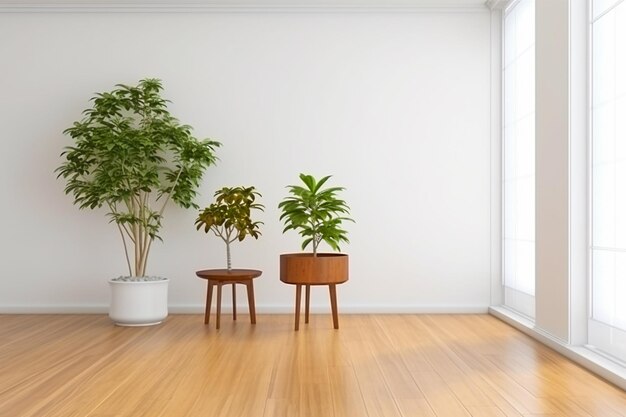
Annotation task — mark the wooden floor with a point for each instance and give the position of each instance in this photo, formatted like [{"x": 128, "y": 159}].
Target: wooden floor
[{"x": 374, "y": 365}]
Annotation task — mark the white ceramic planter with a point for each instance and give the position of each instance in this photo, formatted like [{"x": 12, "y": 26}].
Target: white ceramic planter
[{"x": 138, "y": 303}]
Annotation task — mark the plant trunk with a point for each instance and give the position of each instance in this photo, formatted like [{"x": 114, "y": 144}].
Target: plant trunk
[
  {"x": 228, "y": 264},
  {"x": 130, "y": 270},
  {"x": 315, "y": 245},
  {"x": 144, "y": 255},
  {"x": 140, "y": 271}
]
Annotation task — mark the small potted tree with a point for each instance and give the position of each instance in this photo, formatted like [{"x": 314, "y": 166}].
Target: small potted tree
[
  {"x": 132, "y": 157},
  {"x": 229, "y": 218},
  {"x": 317, "y": 214}
]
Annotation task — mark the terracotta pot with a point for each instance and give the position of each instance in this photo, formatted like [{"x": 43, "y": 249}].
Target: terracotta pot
[{"x": 305, "y": 269}]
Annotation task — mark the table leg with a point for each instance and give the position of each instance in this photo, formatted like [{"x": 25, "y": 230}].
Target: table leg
[
  {"x": 219, "y": 305},
  {"x": 234, "y": 302},
  {"x": 250, "y": 287},
  {"x": 209, "y": 297},
  {"x": 307, "y": 298},
  {"x": 333, "y": 304},
  {"x": 298, "y": 297}
]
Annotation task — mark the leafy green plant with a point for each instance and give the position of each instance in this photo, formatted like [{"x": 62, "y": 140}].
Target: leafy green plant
[
  {"x": 316, "y": 213},
  {"x": 131, "y": 156},
  {"x": 229, "y": 217}
]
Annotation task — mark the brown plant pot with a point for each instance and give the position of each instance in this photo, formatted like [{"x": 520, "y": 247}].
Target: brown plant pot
[{"x": 306, "y": 269}]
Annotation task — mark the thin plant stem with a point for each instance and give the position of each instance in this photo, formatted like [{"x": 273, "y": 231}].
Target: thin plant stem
[
  {"x": 228, "y": 263},
  {"x": 119, "y": 227},
  {"x": 145, "y": 258},
  {"x": 169, "y": 195}
]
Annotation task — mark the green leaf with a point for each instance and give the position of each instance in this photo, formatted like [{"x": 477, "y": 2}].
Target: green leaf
[
  {"x": 130, "y": 154},
  {"x": 315, "y": 213},
  {"x": 231, "y": 212}
]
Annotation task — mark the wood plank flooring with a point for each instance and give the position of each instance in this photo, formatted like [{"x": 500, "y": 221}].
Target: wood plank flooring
[{"x": 374, "y": 365}]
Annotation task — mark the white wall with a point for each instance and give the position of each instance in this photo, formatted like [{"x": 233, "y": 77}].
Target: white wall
[{"x": 395, "y": 106}]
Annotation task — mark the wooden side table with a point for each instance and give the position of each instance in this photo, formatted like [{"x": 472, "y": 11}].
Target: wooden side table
[{"x": 221, "y": 277}]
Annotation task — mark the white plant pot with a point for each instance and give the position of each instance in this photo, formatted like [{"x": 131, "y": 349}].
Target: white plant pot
[{"x": 138, "y": 303}]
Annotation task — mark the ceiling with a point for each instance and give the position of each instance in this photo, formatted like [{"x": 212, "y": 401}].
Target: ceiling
[{"x": 258, "y": 3}]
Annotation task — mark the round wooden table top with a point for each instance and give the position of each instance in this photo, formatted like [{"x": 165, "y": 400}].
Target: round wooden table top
[{"x": 226, "y": 275}]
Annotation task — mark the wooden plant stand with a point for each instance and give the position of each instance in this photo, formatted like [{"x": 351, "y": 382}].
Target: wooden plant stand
[
  {"x": 303, "y": 269},
  {"x": 221, "y": 277}
]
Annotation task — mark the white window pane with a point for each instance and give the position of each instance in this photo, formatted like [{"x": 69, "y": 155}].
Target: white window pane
[
  {"x": 524, "y": 84},
  {"x": 525, "y": 26},
  {"x": 604, "y": 147},
  {"x": 510, "y": 221},
  {"x": 603, "y": 285},
  {"x": 509, "y": 264},
  {"x": 525, "y": 208},
  {"x": 620, "y": 50},
  {"x": 601, "y": 6},
  {"x": 525, "y": 149},
  {"x": 519, "y": 150},
  {"x": 510, "y": 94},
  {"x": 615, "y": 126},
  {"x": 609, "y": 289},
  {"x": 603, "y": 67},
  {"x": 530, "y": 73},
  {"x": 509, "y": 38},
  {"x": 604, "y": 205},
  {"x": 510, "y": 144},
  {"x": 619, "y": 294},
  {"x": 620, "y": 204},
  {"x": 525, "y": 267},
  {"x": 608, "y": 199}
]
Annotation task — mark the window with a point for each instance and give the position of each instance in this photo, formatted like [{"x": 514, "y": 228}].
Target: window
[
  {"x": 519, "y": 157},
  {"x": 607, "y": 326}
]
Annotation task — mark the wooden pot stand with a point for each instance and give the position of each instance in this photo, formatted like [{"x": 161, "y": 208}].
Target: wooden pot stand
[
  {"x": 303, "y": 269},
  {"x": 221, "y": 277}
]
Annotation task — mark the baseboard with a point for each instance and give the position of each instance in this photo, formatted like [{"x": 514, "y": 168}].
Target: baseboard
[
  {"x": 598, "y": 364},
  {"x": 55, "y": 309},
  {"x": 346, "y": 309},
  {"x": 261, "y": 309}
]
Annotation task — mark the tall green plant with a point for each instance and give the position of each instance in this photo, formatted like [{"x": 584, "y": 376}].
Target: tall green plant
[
  {"x": 229, "y": 217},
  {"x": 316, "y": 213},
  {"x": 131, "y": 156}
]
